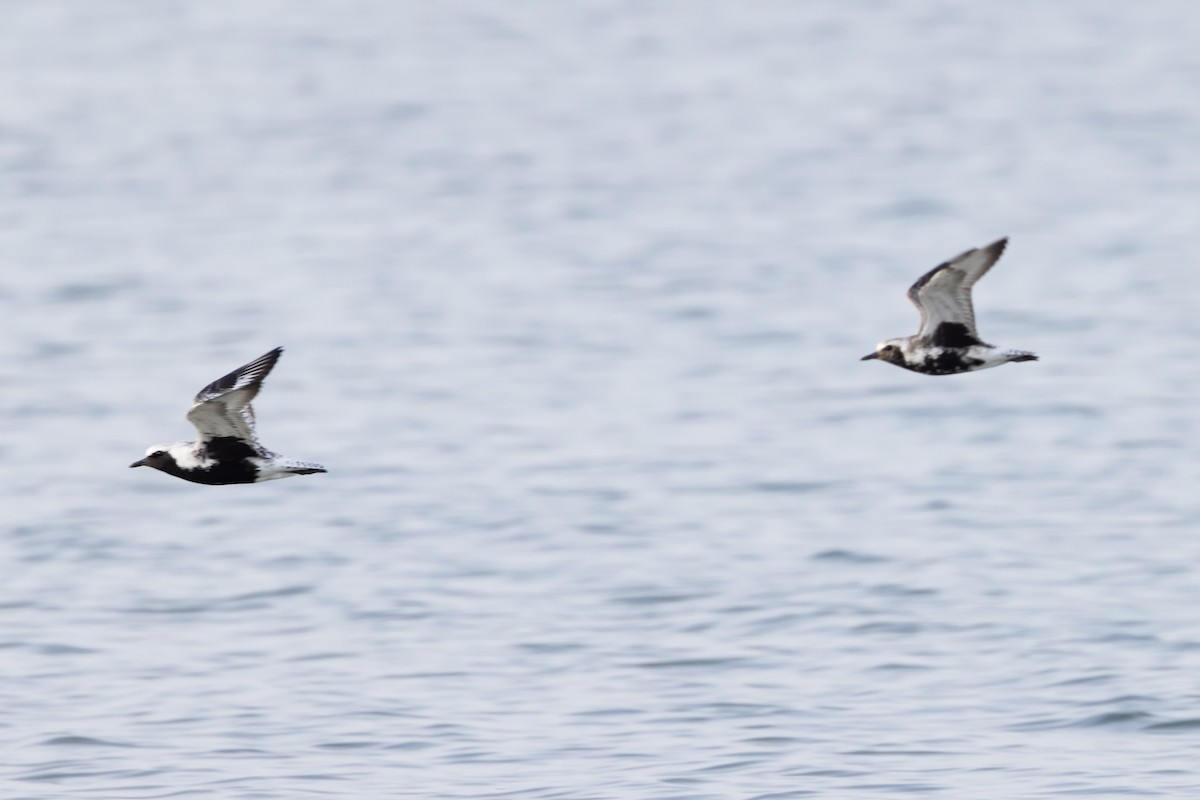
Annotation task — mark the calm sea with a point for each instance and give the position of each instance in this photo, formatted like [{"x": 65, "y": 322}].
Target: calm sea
[{"x": 573, "y": 296}]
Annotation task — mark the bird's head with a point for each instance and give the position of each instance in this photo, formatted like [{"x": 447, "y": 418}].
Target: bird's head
[
  {"x": 157, "y": 456},
  {"x": 889, "y": 351}
]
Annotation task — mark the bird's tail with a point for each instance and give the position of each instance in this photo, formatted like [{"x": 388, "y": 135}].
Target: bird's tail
[
  {"x": 300, "y": 467},
  {"x": 1021, "y": 355}
]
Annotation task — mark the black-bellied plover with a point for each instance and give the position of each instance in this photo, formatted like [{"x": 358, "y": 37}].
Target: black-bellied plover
[
  {"x": 948, "y": 342},
  {"x": 227, "y": 450}
]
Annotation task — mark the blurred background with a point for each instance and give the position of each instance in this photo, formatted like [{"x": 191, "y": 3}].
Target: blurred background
[{"x": 573, "y": 296}]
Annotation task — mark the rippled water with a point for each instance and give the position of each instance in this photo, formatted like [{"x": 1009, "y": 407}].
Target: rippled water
[{"x": 574, "y": 296}]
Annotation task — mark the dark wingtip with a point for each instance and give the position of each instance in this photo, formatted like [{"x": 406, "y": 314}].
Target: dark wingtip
[{"x": 260, "y": 368}]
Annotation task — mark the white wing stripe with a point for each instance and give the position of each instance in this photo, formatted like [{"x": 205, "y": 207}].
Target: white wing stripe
[
  {"x": 222, "y": 409},
  {"x": 944, "y": 293}
]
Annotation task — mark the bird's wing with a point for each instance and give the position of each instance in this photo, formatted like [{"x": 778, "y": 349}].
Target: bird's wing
[
  {"x": 223, "y": 407},
  {"x": 943, "y": 296}
]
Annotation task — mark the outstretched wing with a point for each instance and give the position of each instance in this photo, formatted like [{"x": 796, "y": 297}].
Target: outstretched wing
[
  {"x": 943, "y": 296},
  {"x": 222, "y": 409}
]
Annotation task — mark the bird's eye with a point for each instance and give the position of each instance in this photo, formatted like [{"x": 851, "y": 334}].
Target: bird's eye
[{"x": 889, "y": 348}]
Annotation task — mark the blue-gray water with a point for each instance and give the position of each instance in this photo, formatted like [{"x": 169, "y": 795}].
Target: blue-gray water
[{"x": 574, "y": 296}]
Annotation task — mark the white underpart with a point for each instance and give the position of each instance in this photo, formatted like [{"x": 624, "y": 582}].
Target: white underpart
[
  {"x": 990, "y": 356},
  {"x": 270, "y": 469}
]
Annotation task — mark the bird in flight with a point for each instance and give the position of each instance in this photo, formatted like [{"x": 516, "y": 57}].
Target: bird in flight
[
  {"x": 948, "y": 342},
  {"x": 228, "y": 450}
]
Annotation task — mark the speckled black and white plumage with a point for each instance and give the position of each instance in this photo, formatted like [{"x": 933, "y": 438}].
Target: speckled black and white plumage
[
  {"x": 228, "y": 450},
  {"x": 948, "y": 341}
]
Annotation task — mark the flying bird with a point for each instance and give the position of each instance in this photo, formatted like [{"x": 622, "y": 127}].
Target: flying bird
[
  {"x": 948, "y": 342},
  {"x": 228, "y": 450}
]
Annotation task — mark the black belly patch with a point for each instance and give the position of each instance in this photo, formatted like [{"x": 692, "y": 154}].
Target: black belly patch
[
  {"x": 948, "y": 362},
  {"x": 221, "y": 473},
  {"x": 953, "y": 334}
]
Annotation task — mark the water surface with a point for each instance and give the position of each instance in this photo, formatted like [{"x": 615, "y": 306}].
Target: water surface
[{"x": 574, "y": 296}]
